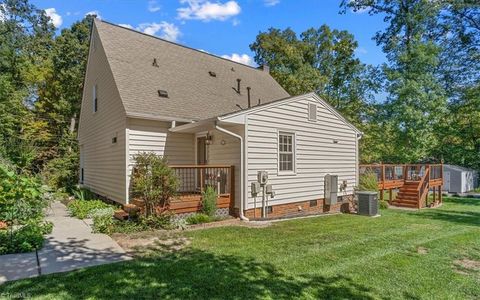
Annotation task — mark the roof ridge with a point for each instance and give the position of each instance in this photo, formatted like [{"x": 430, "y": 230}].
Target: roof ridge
[{"x": 180, "y": 45}]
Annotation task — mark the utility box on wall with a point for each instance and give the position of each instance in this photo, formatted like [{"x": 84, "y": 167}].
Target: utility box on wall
[{"x": 331, "y": 189}]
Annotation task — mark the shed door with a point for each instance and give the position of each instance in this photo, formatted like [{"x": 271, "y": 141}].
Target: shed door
[{"x": 446, "y": 180}]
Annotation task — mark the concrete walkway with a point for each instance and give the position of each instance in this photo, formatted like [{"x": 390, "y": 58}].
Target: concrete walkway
[{"x": 70, "y": 246}]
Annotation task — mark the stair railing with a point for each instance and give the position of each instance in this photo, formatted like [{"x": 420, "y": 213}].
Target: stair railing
[{"x": 424, "y": 187}]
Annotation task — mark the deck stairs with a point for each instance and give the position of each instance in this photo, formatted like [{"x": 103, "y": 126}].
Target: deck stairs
[{"x": 408, "y": 195}]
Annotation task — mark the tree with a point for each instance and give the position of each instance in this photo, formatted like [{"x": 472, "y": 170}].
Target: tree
[
  {"x": 416, "y": 100},
  {"x": 320, "y": 60},
  {"x": 153, "y": 181}
]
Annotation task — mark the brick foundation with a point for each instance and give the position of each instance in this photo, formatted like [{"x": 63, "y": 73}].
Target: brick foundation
[{"x": 304, "y": 208}]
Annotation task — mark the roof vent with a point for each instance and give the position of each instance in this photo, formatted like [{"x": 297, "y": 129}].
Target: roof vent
[
  {"x": 163, "y": 93},
  {"x": 213, "y": 74},
  {"x": 155, "y": 64}
]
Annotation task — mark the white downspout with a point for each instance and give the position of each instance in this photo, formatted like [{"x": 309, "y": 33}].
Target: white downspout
[{"x": 242, "y": 168}]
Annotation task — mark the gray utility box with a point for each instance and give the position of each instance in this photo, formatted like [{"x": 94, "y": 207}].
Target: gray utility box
[
  {"x": 367, "y": 203},
  {"x": 331, "y": 189}
]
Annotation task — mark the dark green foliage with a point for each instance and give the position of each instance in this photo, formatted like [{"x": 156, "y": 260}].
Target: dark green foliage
[
  {"x": 368, "y": 182},
  {"x": 153, "y": 181},
  {"x": 199, "y": 218},
  {"x": 81, "y": 193},
  {"x": 25, "y": 239},
  {"x": 82, "y": 208},
  {"x": 383, "y": 204},
  {"x": 209, "y": 201},
  {"x": 159, "y": 221}
]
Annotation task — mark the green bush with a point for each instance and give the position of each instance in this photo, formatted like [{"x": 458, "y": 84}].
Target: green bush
[
  {"x": 81, "y": 193},
  {"x": 24, "y": 239},
  {"x": 368, "y": 182},
  {"x": 103, "y": 223},
  {"x": 161, "y": 221},
  {"x": 383, "y": 204},
  {"x": 199, "y": 219},
  {"x": 209, "y": 201},
  {"x": 82, "y": 208},
  {"x": 153, "y": 181}
]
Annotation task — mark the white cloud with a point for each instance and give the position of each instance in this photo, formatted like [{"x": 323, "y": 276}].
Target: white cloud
[
  {"x": 126, "y": 26},
  {"x": 153, "y": 6},
  {"x": 94, "y": 12},
  {"x": 240, "y": 58},
  {"x": 55, "y": 18},
  {"x": 361, "y": 50},
  {"x": 206, "y": 11},
  {"x": 271, "y": 2},
  {"x": 163, "y": 30}
]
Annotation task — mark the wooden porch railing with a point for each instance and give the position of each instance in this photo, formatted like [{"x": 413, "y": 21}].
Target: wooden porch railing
[
  {"x": 194, "y": 179},
  {"x": 414, "y": 181},
  {"x": 395, "y": 175}
]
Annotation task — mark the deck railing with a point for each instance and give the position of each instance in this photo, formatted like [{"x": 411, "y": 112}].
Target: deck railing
[
  {"x": 392, "y": 175},
  {"x": 194, "y": 179}
]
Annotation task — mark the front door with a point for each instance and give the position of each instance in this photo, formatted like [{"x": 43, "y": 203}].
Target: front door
[{"x": 202, "y": 150}]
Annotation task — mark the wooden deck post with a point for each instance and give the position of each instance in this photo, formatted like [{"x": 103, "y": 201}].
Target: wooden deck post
[
  {"x": 383, "y": 182},
  {"x": 434, "y": 194},
  {"x": 390, "y": 198}
]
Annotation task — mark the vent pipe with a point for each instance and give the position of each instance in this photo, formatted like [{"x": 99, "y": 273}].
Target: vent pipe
[
  {"x": 238, "y": 86},
  {"x": 248, "y": 95}
]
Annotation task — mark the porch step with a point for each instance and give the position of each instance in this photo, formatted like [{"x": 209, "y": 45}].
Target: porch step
[{"x": 121, "y": 215}]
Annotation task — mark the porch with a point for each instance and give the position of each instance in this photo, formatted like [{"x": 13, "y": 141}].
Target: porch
[
  {"x": 194, "y": 179},
  {"x": 413, "y": 181}
]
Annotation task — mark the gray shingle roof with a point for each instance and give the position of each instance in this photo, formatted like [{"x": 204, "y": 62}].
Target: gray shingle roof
[{"x": 183, "y": 72}]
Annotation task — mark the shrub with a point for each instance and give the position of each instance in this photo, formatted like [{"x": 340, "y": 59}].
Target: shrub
[
  {"x": 81, "y": 193},
  {"x": 153, "y": 181},
  {"x": 199, "y": 219},
  {"x": 209, "y": 201},
  {"x": 383, "y": 204},
  {"x": 103, "y": 224},
  {"x": 82, "y": 208},
  {"x": 179, "y": 223},
  {"x": 368, "y": 182},
  {"x": 161, "y": 221},
  {"x": 24, "y": 239}
]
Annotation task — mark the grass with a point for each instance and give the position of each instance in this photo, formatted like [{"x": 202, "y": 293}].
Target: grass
[{"x": 402, "y": 254}]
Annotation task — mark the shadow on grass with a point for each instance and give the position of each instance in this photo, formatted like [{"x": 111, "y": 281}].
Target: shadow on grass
[
  {"x": 188, "y": 274},
  {"x": 464, "y": 216},
  {"x": 463, "y": 201}
]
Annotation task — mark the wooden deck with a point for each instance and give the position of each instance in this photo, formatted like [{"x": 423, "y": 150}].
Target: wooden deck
[{"x": 414, "y": 182}]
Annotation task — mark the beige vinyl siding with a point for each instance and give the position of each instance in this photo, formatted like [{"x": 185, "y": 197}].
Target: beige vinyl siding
[
  {"x": 103, "y": 161},
  {"x": 153, "y": 136},
  {"x": 316, "y": 154},
  {"x": 227, "y": 154}
]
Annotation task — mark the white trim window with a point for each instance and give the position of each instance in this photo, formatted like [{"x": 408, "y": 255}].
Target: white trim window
[
  {"x": 286, "y": 152},
  {"x": 95, "y": 99}
]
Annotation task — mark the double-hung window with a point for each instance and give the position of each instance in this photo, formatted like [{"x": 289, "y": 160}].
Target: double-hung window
[{"x": 286, "y": 152}]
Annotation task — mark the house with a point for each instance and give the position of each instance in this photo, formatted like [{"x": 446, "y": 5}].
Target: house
[
  {"x": 459, "y": 179},
  {"x": 217, "y": 121}
]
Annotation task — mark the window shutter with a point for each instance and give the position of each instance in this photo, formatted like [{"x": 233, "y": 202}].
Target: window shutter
[{"x": 312, "y": 112}]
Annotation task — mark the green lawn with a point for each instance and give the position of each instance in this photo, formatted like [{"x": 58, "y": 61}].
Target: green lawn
[{"x": 402, "y": 254}]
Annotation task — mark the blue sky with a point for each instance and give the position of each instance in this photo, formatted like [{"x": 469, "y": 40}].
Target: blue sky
[{"x": 222, "y": 27}]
